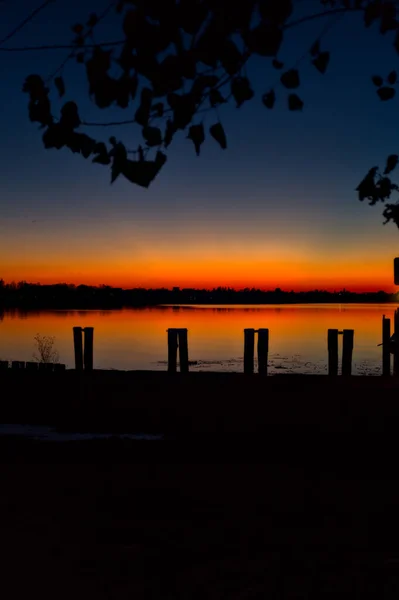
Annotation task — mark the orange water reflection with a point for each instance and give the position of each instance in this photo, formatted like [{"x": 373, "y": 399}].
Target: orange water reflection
[{"x": 136, "y": 338}]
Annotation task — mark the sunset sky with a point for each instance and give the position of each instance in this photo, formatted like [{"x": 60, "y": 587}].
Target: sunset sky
[{"x": 277, "y": 209}]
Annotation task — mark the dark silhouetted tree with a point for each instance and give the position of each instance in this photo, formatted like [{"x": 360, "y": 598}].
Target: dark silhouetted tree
[{"x": 176, "y": 59}]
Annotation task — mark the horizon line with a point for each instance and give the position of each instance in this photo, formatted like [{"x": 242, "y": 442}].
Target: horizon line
[{"x": 177, "y": 289}]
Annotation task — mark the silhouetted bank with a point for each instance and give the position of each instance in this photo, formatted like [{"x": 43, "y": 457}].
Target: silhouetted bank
[{"x": 34, "y": 295}]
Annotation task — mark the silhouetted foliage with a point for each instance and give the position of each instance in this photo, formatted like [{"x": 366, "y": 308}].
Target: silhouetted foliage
[
  {"x": 33, "y": 296},
  {"x": 179, "y": 58}
]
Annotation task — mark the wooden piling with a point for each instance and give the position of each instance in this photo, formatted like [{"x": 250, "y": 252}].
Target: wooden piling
[
  {"x": 17, "y": 364},
  {"x": 249, "y": 350},
  {"x": 396, "y": 353},
  {"x": 263, "y": 350},
  {"x": 347, "y": 351},
  {"x": 332, "y": 341},
  {"x": 78, "y": 347},
  {"x": 386, "y": 354},
  {"x": 183, "y": 350},
  {"x": 88, "y": 348},
  {"x": 172, "y": 350},
  {"x": 32, "y": 366},
  {"x": 49, "y": 367}
]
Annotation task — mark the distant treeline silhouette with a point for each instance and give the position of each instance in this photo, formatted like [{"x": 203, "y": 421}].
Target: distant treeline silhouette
[{"x": 34, "y": 295}]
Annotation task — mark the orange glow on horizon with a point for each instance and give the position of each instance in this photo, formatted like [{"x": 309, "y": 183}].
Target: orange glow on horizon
[
  {"x": 373, "y": 278},
  {"x": 201, "y": 263}
]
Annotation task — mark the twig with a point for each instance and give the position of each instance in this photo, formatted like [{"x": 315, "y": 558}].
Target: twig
[{"x": 22, "y": 24}]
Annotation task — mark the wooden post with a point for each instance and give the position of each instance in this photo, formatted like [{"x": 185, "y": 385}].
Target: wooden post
[
  {"x": 46, "y": 367},
  {"x": 386, "y": 354},
  {"x": 347, "y": 349},
  {"x": 249, "y": 350},
  {"x": 263, "y": 350},
  {"x": 17, "y": 364},
  {"x": 333, "y": 352},
  {"x": 78, "y": 346},
  {"x": 32, "y": 366},
  {"x": 396, "y": 354},
  {"x": 172, "y": 350},
  {"x": 88, "y": 348},
  {"x": 183, "y": 350}
]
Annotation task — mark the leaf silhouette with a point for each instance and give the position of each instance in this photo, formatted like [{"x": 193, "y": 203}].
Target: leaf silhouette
[
  {"x": 391, "y": 213},
  {"x": 392, "y": 77},
  {"x": 372, "y": 12},
  {"x": 215, "y": 98},
  {"x": 133, "y": 85},
  {"x": 230, "y": 57},
  {"x": 54, "y": 137},
  {"x": 294, "y": 102},
  {"x": 202, "y": 83},
  {"x": 70, "y": 116},
  {"x": 366, "y": 187},
  {"x": 142, "y": 114},
  {"x": 40, "y": 112},
  {"x": 152, "y": 136},
  {"x": 377, "y": 80},
  {"x": 269, "y": 99},
  {"x": 264, "y": 39},
  {"x": 315, "y": 49},
  {"x": 119, "y": 155},
  {"x": 277, "y": 64},
  {"x": 290, "y": 79},
  {"x": 158, "y": 108},
  {"x": 217, "y": 132},
  {"x": 80, "y": 142},
  {"x": 197, "y": 135},
  {"x": 386, "y": 93},
  {"x": 34, "y": 86},
  {"x": 169, "y": 133},
  {"x": 143, "y": 172},
  {"x": 275, "y": 10},
  {"x": 321, "y": 62},
  {"x": 102, "y": 156},
  {"x": 396, "y": 42},
  {"x": 391, "y": 163},
  {"x": 183, "y": 110},
  {"x": 60, "y": 85},
  {"x": 241, "y": 90},
  {"x": 388, "y": 17}
]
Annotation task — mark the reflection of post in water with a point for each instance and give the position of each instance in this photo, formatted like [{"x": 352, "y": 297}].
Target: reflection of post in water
[
  {"x": 347, "y": 350},
  {"x": 177, "y": 338},
  {"x": 249, "y": 350}
]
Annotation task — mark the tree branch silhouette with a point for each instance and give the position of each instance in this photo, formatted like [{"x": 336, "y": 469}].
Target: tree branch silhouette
[
  {"x": 25, "y": 21},
  {"x": 180, "y": 58}
]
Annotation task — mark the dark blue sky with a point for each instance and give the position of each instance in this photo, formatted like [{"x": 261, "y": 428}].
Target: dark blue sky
[{"x": 278, "y": 207}]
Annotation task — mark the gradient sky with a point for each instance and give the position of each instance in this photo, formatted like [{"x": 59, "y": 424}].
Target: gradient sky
[{"x": 277, "y": 209}]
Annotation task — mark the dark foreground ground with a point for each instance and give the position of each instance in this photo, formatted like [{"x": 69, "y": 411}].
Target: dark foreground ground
[
  {"x": 199, "y": 404},
  {"x": 272, "y": 489},
  {"x": 111, "y": 520}
]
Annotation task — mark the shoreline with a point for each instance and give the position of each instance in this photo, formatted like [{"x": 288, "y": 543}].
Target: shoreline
[
  {"x": 82, "y": 306},
  {"x": 198, "y": 404}
]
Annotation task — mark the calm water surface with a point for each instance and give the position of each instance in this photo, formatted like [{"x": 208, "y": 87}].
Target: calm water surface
[{"x": 136, "y": 338}]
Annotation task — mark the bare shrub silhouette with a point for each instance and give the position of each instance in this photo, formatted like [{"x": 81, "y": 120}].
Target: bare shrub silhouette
[{"x": 45, "y": 351}]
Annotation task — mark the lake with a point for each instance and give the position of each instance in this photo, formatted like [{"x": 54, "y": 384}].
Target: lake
[{"x": 136, "y": 338}]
